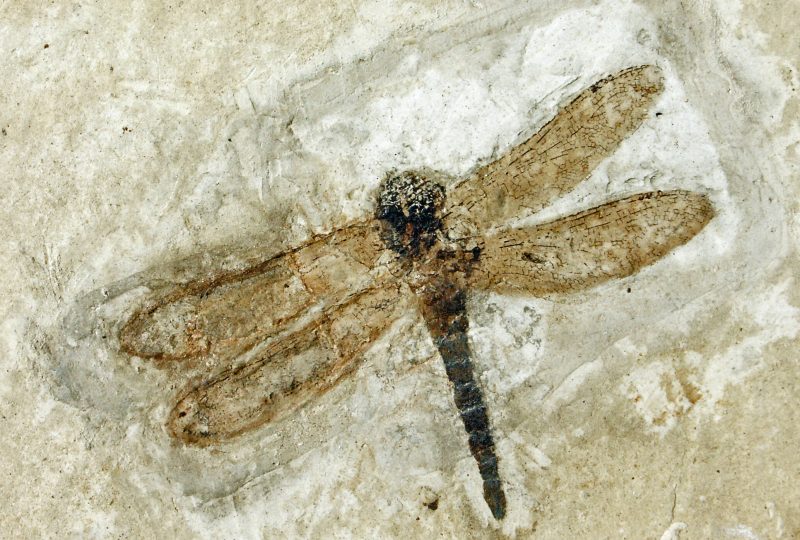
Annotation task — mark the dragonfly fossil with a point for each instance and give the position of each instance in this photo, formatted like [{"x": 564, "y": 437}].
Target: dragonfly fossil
[{"x": 292, "y": 325}]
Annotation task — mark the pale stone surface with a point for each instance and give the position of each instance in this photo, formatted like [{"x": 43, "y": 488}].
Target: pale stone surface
[{"x": 134, "y": 136}]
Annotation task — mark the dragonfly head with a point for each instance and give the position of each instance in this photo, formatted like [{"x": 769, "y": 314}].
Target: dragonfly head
[{"x": 410, "y": 204}]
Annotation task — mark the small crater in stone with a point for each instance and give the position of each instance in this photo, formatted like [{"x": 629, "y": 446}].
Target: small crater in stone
[{"x": 432, "y": 505}]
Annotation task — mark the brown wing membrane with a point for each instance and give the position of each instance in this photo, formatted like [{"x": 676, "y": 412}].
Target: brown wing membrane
[
  {"x": 610, "y": 241},
  {"x": 229, "y": 313},
  {"x": 288, "y": 372},
  {"x": 562, "y": 153}
]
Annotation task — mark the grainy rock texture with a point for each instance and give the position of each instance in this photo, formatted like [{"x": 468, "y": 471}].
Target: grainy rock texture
[{"x": 148, "y": 144}]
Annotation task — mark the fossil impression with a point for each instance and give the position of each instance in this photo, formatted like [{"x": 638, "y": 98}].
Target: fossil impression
[{"x": 293, "y": 325}]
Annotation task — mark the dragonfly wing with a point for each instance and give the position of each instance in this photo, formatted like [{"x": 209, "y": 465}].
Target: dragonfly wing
[
  {"x": 228, "y": 313},
  {"x": 288, "y": 372},
  {"x": 562, "y": 154},
  {"x": 575, "y": 252}
]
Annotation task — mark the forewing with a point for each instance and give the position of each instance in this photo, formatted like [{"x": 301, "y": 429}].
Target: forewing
[
  {"x": 561, "y": 154},
  {"x": 287, "y": 373},
  {"x": 228, "y": 313},
  {"x": 610, "y": 241}
]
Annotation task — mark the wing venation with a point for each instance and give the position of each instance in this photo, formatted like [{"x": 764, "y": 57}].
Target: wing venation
[
  {"x": 562, "y": 154},
  {"x": 287, "y": 373},
  {"x": 230, "y": 312},
  {"x": 575, "y": 252}
]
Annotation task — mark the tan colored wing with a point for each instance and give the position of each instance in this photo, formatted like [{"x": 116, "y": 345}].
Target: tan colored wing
[
  {"x": 288, "y": 372},
  {"x": 610, "y": 241},
  {"x": 561, "y": 154},
  {"x": 229, "y": 313}
]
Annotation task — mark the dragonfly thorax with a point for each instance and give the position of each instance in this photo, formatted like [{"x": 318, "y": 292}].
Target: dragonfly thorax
[{"x": 410, "y": 204}]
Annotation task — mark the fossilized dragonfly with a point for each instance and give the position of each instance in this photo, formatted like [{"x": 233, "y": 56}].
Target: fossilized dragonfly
[{"x": 294, "y": 324}]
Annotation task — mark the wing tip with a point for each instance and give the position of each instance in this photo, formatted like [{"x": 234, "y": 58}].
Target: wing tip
[
  {"x": 699, "y": 201},
  {"x": 705, "y": 210},
  {"x": 646, "y": 80},
  {"x": 649, "y": 79},
  {"x": 696, "y": 207},
  {"x": 133, "y": 339},
  {"x": 188, "y": 424},
  {"x": 144, "y": 335}
]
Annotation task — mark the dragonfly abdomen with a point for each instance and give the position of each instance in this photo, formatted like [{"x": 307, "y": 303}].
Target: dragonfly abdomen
[{"x": 444, "y": 309}]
